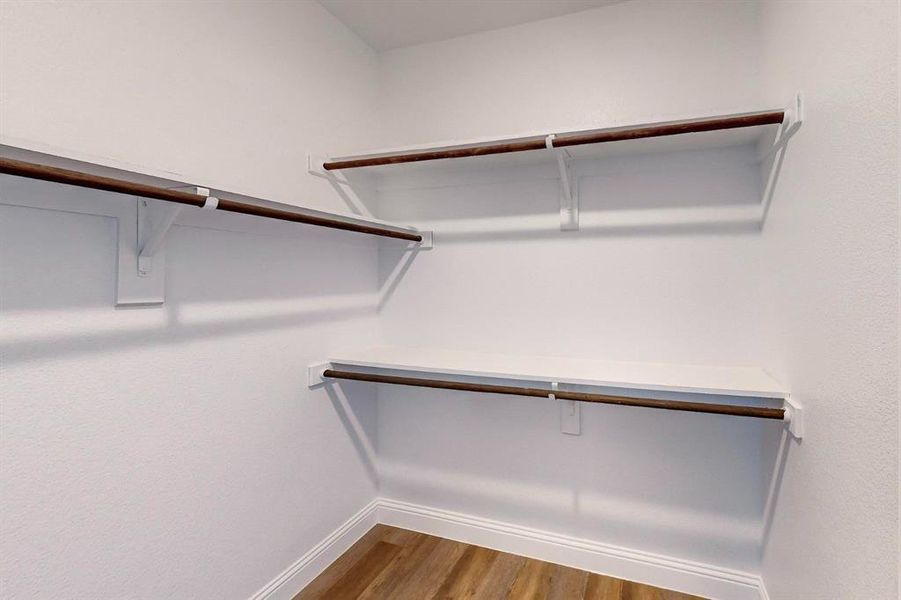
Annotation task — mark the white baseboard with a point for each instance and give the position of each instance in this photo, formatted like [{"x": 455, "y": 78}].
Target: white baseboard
[
  {"x": 700, "y": 579},
  {"x": 293, "y": 579},
  {"x": 690, "y": 577}
]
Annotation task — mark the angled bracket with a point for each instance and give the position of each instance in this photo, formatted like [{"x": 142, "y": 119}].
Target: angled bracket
[
  {"x": 794, "y": 418},
  {"x": 770, "y": 160},
  {"x": 569, "y": 198},
  {"x": 154, "y": 220},
  {"x": 343, "y": 187},
  {"x": 141, "y": 276},
  {"x": 137, "y": 283},
  {"x": 792, "y": 120}
]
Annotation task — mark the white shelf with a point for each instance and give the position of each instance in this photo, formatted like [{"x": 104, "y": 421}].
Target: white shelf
[
  {"x": 749, "y": 382},
  {"x": 35, "y": 179},
  {"x": 35, "y": 152},
  {"x": 746, "y": 143},
  {"x": 747, "y": 135}
]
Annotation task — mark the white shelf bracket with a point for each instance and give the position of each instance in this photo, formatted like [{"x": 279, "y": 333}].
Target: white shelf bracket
[
  {"x": 154, "y": 221},
  {"x": 427, "y": 242},
  {"x": 315, "y": 374},
  {"x": 794, "y": 418},
  {"x": 155, "y": 218},
  {"x": 569, "y": 198},
  {"x": 792, "y": 120},
  {"x": 344, "y": 188},
  {"x": 570, "y": 412},
  {"x": 315, "y": 166},
  {"x": 141, "y": 241}
]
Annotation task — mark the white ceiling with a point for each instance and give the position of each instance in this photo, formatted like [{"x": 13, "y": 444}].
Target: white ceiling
[{"x": 386, "y": 24}]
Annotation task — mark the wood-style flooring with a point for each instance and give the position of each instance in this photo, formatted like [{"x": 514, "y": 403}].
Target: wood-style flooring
[{"x": 396, "y": 564}]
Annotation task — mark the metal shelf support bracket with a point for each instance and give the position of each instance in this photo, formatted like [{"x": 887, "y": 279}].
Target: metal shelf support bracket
[
  {"x": 791, "y": 122},
  {"x": 570, "y": 412},
  {"x": 569, "y": 198},
  {"x": 155, "y": 218},
  {"x": 314, "y": 374},
  {"x": 794, "y": 418}
]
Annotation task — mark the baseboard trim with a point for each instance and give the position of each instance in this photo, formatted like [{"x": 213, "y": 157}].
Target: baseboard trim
[
  {"x": 709, "y": 581},
  {"x": 690, "y": 577},
  {"x": 293, "y": 579}
]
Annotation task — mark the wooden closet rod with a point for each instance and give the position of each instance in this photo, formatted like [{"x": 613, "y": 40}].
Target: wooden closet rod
[
  {"x": 77, "y": 178},
  {"x": 574, "y": 139},
  {"x": 703, "y": 407}
]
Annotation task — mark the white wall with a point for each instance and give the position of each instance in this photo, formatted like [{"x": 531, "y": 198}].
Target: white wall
[
  {"x": 607, "y": 65},
  {"x": 175, "y": 451},
  {"x": 678, "y": 484},
  {"x": 832, "y": 245},
  {"x": 228, "y": 94}
]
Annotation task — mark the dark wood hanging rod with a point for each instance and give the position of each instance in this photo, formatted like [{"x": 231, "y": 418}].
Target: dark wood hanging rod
[
  {"x": 702, "y": 407},
  {"x": 77, "y": 178},
  {"x": 564, "y": 140}
]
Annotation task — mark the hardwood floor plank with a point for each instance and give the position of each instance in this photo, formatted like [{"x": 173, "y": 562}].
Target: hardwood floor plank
[
  {"x": 640, "y": 591},
  {"x": 500, "y": 577},
  {"x": 568, "y": 583},
  {"x": 601, "y": 587},
  {"x": 467, "y": 574},
  {"x": 401, "y": 537},
  {"x": 671, "y": 595},
  {"x": 389, "y": 563},
  {"x": 412, "y": 555},
  {"x": 637, "y": 591},
  {"x": 424, "y": 581},
  {"x": 532, "y": 581},
  {"x": 367, "y": 568},
  {"x": 345, "y": 562}
]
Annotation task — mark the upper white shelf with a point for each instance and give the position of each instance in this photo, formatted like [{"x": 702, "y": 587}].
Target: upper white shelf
[
  {"x": 749, "y": 382},
  {"x": 712, "y": 131}
]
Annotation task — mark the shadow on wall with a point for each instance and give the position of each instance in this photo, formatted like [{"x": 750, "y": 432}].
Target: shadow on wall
[
  {"x": 58, "y": 277},
  {"x": 678, "y": 483},
  {"x": 347, "y": 410},
  {"x": 17, "y": 348},
  {"x": 774, "y": 471},
  {"x": 593, "y": 513},
  {"x": 692, "y": 192}
]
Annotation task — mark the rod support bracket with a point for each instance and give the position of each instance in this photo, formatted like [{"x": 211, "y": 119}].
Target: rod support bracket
[
  {"x": 570, "y": 412},
  {"x": 794, "y": 418},
  {"x": 427, "y": 242},
  {"x": 569, "y": 197},
  {"x": 155, "y": 219},
  {"x": 792, "y": 119},
  {"x": 315, "y": 374},
  {"x": 315, "y": 165}
]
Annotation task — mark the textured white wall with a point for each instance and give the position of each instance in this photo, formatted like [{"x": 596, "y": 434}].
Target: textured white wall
[
  {"x": 832, "y": 245},
  {"x": 228, "y": 94},
  {"x": 617, "y": 64},
  {"x": 682, "y": 485},
  {"x": 175, "y": 452}
]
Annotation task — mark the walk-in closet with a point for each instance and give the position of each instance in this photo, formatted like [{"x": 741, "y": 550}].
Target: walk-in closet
[{"x": 449, "y": 299}]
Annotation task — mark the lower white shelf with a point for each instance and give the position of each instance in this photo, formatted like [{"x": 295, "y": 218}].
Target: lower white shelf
[{"x": 642, "y": 382}]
